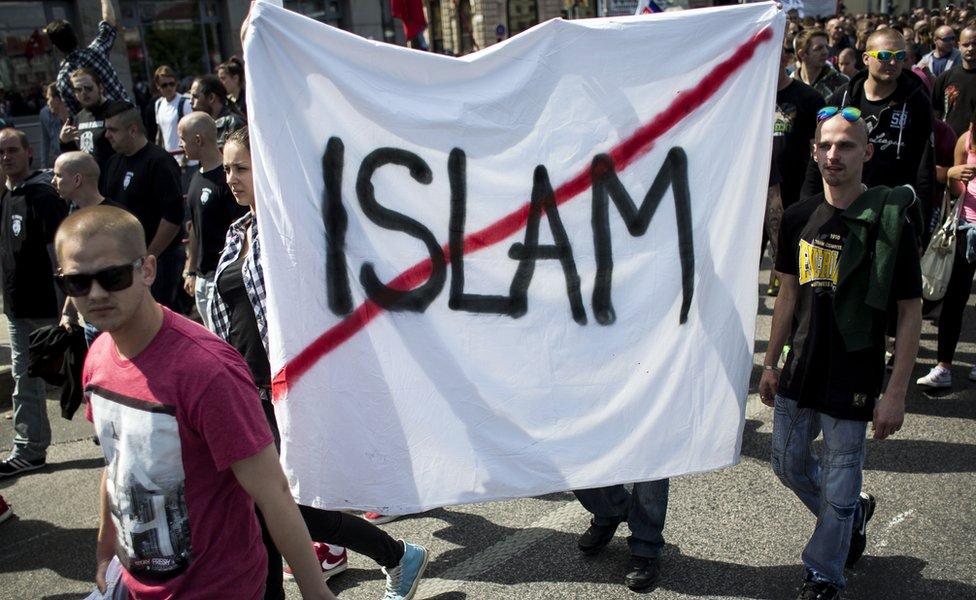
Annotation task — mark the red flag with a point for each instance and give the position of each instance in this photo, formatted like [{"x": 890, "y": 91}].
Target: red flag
[{"x": 411, "y": 12}]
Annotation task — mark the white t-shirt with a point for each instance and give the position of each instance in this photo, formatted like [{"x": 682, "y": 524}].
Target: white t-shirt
[{"x": 168, "y": 117}]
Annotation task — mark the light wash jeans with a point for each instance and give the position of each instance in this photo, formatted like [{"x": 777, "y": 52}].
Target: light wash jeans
[
  {"x": 203, "y": 291},
  {"x": 32, "y": 430},
  {"x": 830, "y": 487},
  {"x": 644, "y": 509}
]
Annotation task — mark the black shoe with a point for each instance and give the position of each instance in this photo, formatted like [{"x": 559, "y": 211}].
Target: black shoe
[
  {"x": 596, "y": 537},
  {"x": 859, "y": 534},
  {"x": 818, "y": 590},
  {"x": 15, "y": 466},
  {"x": 642, "y": 572}
]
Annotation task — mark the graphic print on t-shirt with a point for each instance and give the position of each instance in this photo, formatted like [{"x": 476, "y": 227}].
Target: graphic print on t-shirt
[
  {"x": 818, "y": 261},
  {"x": 949, "y": 98},
  {"x": 86, "y": 135},
  {"x": 784, "y": 117},
  {"x": 146, "y": 483},
  {"x": 885, "y": 128}
]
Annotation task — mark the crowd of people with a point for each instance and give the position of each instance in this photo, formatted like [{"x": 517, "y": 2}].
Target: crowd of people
[{"x": 146, "y": 221}]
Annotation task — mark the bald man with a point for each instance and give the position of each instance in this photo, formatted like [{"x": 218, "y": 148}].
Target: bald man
[
  {"x": 181, "y": 426},
  {"x": 847, "y": 62},
  {"x": 212, "y": 208},
  {"x": 954, "y": 92},
  {"x": 945, "y": 55},
  {"x": 76, "y": 176},
  {"x": 832, "y": 308},
  {"x": 896, "y": 109}
]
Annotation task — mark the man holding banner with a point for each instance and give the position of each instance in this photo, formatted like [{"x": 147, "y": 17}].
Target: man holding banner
[
  {"x": 644, "y": 509},
  {"x": 837, "y": 288}
]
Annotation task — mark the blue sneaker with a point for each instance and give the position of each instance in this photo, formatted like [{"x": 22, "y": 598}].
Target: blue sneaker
[{"x": 402, "y": 580}]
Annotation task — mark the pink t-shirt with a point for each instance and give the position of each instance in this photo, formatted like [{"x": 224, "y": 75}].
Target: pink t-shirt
[
  {"x": 969, "y": 196},
  {"x": 171, "y": 422}
]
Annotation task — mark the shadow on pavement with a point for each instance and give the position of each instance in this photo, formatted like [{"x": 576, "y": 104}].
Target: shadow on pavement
[
  {"x": 31, "y": 545},
  {"x": 77, "y": 464},
  {"x": 876, "y": 577},
  {"x": 892, "y": 455}
]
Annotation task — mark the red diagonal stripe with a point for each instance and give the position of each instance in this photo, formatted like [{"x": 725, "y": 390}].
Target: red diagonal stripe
[{"x": 637, "y": 145}]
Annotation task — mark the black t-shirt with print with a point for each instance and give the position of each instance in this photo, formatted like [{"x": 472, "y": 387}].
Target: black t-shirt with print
[
  {"x": 819, "y": 372},
  {"x": 91, "y": 136},
  {"x": 148, "y": 185},
  {"x": 796, "y": 122},
  {"x": 954, "y": 97},
  {"x": 31, "y": 214},
  {"x": 212, "y": 210}
]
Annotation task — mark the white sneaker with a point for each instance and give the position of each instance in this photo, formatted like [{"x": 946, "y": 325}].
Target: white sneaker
[{"x": 938, "y": 377}]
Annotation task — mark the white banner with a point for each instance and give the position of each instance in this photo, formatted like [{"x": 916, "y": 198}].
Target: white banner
[
  {"x": 570, "y": 234},
  {"x": 811, "y": 8}
]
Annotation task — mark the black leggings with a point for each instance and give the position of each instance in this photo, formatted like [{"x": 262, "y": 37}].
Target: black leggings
[
  {"x": 954, "y": 301},
  {"x": 329, "y": 526},
  {"x": 354, "y": 533}
]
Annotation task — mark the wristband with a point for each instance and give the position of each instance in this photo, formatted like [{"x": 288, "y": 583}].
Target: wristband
[
  {"x": 189, "y": 273},
  {"x": 771, "y": 368}
]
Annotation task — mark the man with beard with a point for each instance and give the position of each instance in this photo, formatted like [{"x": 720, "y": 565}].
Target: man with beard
[
  {"x": 88, "y": 133},
  {"x": 954, "y": 92}
]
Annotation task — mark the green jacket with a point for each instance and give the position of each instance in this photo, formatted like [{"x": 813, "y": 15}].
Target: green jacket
[{"x": 867, "y": 262}]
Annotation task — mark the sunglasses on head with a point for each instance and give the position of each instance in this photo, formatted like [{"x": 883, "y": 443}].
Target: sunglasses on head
[
  {"x": 849, "y": 113},
  {"x": 111, "y": 279},
  {"x": 886, "y": 55}
]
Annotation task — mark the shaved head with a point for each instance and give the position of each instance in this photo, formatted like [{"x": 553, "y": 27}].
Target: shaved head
[
  {"x": 117, "y": 224},
  {"x": 858, "y": 129},
  {"x": 199, "y": 123},
  {"x": 78, "y": 163},
  {"x": 883, "y": 35}
]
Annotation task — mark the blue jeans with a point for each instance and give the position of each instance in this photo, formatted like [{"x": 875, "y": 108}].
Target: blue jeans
[
  {"x": 644, "y": 509},
  {"x": 32, "y": 430},
  {"x": 830, "y": 487},
  {"x": 203, "y": 292}
]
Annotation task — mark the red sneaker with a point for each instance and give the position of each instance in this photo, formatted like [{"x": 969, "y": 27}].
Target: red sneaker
[
  {"x": 378, "y": 519},
  {"x": 332, "y": 559},
  {"x": 5, "y": 511}
]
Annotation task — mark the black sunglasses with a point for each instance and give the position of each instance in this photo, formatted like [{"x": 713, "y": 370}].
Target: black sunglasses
[
  {"x": 168, "y": 84},
  {"x": 111, "y": 279}
]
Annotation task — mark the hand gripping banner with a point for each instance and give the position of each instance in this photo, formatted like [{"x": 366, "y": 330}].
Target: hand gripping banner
[{"x": 529, "y": 269}]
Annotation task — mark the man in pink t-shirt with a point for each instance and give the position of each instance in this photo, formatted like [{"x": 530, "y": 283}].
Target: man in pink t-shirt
[{"x": 187, "y": 448}]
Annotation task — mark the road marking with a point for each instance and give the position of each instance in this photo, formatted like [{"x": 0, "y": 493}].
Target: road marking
[
  {"x": 894, "y": 522},
  {"x": 462, "y": 573},
  {"x": 899, "y": 518}
]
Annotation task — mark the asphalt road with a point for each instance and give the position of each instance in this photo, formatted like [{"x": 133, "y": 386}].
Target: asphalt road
[{"x": 735, "y": 533}]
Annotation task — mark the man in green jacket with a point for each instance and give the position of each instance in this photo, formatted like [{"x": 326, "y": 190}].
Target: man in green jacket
[{"x": 847, "y": 260}]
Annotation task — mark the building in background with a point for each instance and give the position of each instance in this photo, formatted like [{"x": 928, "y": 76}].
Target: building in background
[{"x": 194, "y": 36}]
